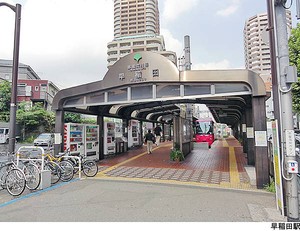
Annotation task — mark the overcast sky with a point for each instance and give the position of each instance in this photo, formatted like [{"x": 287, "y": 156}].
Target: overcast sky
[{"x": 65, "y": 41}]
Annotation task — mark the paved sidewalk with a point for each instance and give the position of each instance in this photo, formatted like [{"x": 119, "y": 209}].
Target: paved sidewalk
[
  {"x": 221, "y": 166},
  {"x": 95, "y": 200}
]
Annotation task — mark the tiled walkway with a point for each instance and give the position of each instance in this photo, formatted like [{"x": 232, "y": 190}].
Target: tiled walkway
[{"x": 220, "y": 166}]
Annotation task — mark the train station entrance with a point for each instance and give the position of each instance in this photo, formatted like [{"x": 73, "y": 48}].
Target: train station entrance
[{"x": 145, "y": 88}]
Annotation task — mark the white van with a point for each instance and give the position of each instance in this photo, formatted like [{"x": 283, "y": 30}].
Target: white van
[{"x": 4, "y": 135}]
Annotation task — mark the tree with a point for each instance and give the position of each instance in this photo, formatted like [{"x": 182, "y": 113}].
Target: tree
[
  {"x": 71, "y": 117},
  {"x": 31, "y": 118},
  {"x": 294, "y": 54},
  {"x": 5, "y": 97}
]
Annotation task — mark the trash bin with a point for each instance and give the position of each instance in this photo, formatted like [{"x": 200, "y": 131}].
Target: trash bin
[
  {"x": 119, "y": 145},
  {"x": 125, "y": 146},
  {"x": 122, "y": 147}
]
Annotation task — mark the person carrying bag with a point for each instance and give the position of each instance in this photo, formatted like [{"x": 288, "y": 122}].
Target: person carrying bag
[{"x": 149, "y": 140}]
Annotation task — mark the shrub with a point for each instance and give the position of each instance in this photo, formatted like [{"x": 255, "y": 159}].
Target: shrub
[{"x": 176, "y": 155}]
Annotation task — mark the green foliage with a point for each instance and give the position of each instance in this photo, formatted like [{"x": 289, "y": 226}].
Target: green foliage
[
  {"x": 89, "y": 121},
  {"x": 29, "y": 140},
  {"x": 294, "y": 54},
  {"x": 31, "y": 118},
  {"x": 176, "y": 155},
  {"x": 5, "y": 97},
  {"x": 270, "y": 187},
  {"x": 72, "y": 118}
]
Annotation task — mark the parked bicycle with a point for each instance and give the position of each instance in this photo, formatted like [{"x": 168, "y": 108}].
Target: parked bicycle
[
  {"x": 60, "y": 169},
  {"x": 12, "y": 179},
  {"x": 29, "y": 167},
  {"x": 31, "y": 172},
  {"x": 88, "y": 167}
]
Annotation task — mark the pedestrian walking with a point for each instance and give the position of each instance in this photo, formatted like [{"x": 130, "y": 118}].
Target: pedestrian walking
[
  {"x": 149, "y": 140},
  {"x": 157, "y": 132}
]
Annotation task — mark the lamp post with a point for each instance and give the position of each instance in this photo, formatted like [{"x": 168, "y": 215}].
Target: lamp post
[{"x": 13, "y": 105}]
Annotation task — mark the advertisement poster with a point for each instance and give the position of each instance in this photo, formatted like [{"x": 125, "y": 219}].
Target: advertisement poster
[
  {"x": 277, "y": 167},
  {"x": 250, "y": 133},
  {"x": 261, "y": 138}
]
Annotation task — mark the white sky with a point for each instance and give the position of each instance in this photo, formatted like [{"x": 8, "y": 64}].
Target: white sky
[{"x": 65, "y": 41}]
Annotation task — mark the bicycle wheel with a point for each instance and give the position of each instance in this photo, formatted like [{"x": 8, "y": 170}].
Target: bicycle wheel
[
  {"x": 15, "y": 182},
  {"x": 75, "y": 165},
  {"x": 67, "y": 172},
  {"x": 55, "y": 171},
  {"x": 90, "y": 168},
  {"x": 32, "y": 175}
]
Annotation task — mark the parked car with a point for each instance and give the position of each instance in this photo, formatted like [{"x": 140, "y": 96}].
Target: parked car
[
  {"x": 44, "y": 139},
  {"x": 4, "y": 134}
]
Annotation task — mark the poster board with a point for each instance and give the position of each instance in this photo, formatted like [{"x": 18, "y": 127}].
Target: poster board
[{"x": 277, "y": 167}]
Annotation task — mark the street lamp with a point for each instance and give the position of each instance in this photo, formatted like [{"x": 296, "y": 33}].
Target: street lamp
[{"x": 13, "y": 102}]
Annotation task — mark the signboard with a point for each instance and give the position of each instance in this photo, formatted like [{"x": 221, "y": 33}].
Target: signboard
[
  {"x": 290, "y": 143},
  {"x": 57, "y": 138},
  {"x": 244, "y": 128},
  {"x": 261, "y": 138},
  {"x": 250, "y": 133},
  {"x": 277, "y": 167}
]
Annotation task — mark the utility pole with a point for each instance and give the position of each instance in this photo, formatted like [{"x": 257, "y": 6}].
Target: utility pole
[
  {"x": 284, "y": 77},
  {"x": 187, "y": 53},
  {"x": 13, "y": 102},
  {"x": 188, "y": 67}
]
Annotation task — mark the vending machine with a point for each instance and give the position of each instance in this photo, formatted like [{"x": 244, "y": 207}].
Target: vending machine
[
  {"x": 91, "y": 144},
  {"x": 82, "y": 139},
  {"x": 133, "y": 133},
  {"x": 109, "y": 138},
  {"x": 73, "y": 138}
]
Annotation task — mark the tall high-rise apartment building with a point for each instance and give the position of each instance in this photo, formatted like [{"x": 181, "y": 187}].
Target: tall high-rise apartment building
[
  {"x": 136, "y": 28},
  {"x": 257, "y": 50},
  {"x": 135, "y": 17}
]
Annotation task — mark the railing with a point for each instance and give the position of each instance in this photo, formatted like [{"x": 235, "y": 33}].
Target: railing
[{"x": 21, "y": 157}]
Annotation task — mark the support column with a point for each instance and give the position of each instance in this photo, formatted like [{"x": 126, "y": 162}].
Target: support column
[
  {"x": 141, "y": 138},
  {"x": 125, "y": 132},
  {"x": 244, "y": 134},
  {"x": 163, "y": 126},
  {"x": 250, "y": 137},
  {"x": 59, "y": 128},
  {"x": 176, "y": 127},
  {"x": 261, "y": 149},
  {"x": 100, "y": 122}
]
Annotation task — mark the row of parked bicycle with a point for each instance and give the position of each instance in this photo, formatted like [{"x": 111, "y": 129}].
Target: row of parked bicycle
[{"x": 24, "y": 171}]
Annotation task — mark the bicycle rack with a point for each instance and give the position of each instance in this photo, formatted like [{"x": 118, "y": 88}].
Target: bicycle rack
[
  {"x": 32, "y": 148},
  {"x": 45, "y": 174}
]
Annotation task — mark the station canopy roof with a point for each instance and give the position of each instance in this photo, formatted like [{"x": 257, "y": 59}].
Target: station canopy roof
[{"x": 147, "y": 86}]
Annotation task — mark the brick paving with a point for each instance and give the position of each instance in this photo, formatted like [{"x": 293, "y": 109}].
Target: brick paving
[{"x": 202, "y": 166}]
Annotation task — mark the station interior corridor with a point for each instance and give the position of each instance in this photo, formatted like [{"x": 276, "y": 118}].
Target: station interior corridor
[{"x": 224, "y": 165}]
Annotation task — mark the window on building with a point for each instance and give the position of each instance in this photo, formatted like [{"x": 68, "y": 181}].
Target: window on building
[{"x": 43, "y": 87}]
